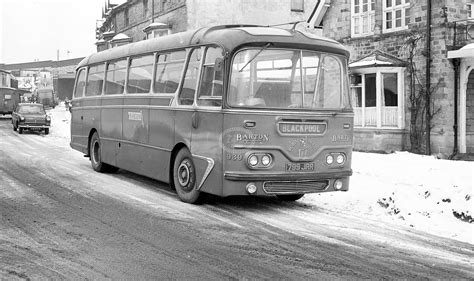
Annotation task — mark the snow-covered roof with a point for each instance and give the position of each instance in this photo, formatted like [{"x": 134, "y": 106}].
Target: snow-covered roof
[
  {"x": 120, "y": 36},
  {"x": 377, "y": 59},
  {"x": 465, "y": 52}
]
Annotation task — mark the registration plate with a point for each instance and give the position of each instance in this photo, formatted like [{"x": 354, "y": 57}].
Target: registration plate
[{"x": 299, "y": 167}]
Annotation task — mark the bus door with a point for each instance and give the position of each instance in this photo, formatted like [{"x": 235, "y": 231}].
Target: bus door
[
  {"x": 77, "y": 113},
  {"x": 202, "y": 95},
  {"x": 134, "y": 153}
]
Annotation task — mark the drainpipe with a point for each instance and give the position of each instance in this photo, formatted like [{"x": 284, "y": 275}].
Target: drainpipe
[
  {"x": 456, "y": 63},
  {"x": 428, "y": 79},
  {"x": 152, "y": 11}
]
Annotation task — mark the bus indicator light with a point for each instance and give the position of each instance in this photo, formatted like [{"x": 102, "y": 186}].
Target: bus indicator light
[{"x": 338, "y": 184}]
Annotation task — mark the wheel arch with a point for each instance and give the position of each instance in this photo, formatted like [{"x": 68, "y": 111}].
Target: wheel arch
[
  {"x": 174, "y": 152},
  {"x": 91, "y": 133}
]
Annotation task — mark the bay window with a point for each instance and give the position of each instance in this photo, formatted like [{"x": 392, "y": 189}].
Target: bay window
[{"x": 378, "y": 97}]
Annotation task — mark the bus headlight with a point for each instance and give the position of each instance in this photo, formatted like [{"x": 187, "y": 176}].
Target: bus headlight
[
  {"x": 48, "y": 118},
  {"x": 340, "y": 159},
  {"x": 252, "y": 160},
  {"x": 266, "y": 160},
  {"x": 329, "y": 159}
]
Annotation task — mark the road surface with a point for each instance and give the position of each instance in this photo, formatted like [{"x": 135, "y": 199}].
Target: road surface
[{"x": 61, "y": 220}]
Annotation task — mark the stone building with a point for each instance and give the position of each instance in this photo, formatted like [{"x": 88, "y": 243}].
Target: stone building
[
  {"x": 392, "y": 66},
  {"x": 136, "y": 20}
]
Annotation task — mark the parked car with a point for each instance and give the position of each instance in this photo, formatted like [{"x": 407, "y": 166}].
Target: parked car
[{"x": 30, "y": 116}]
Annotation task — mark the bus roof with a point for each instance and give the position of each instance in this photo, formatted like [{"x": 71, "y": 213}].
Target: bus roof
[{"x": 230, "y": 37}]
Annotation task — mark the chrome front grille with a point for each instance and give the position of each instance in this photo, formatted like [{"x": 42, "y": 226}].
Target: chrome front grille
[{"x": 282, "y": 187}]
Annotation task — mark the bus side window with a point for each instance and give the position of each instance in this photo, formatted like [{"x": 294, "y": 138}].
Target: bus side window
[
  {"x": 115, "y": 77},
  {"x": 211, "y": 86},
  {"x": 169, "y": 68},
  {"x": 186, "y": 96},
  {"x": 95, "y": 80},
  {"x": 80, "y": 83},
  {"x": 139, "y": 77}
]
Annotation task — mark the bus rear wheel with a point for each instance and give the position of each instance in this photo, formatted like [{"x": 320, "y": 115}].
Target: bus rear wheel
[
  {"x": 290, "y": 197},
  {"x": 95, "y": 156},
  {"x": 184, "y": 178}
]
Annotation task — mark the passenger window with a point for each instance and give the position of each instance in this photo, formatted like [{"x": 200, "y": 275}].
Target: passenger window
[
  {"x": 212, "y": 85},
  {"x": 80, "y": 84},
  {"x": 139, "y": 77},
  {"x": 95, "y": 80},
  {"x": 186, "y": 96},
  {"x": 115, "y": 78},
  {"x": 169, "y": 68}
]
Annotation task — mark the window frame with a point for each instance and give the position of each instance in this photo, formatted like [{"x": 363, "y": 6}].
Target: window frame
[
  {"x": 379, "y": 71},
  {"x": 405, "y": 4},
  {"x": 155, "y": 72},
  {"x": 85, "y": 70},
  {"x": 369, "y": 14},
  {"x": 126, "y": 60},
  {"x": 470, "y": 11},
  {"x": 103, "y": 79},
  {"x": 129, "y": 71}
]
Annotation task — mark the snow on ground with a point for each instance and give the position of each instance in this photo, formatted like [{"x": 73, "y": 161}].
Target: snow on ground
[{"x": 428, "y": 194}]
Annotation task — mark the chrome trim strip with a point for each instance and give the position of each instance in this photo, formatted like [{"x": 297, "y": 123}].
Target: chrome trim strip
[
  {"x": 235, "y": 176},
  {"x": 137, "y": 143},
  {"x": 210, "y": 166}
]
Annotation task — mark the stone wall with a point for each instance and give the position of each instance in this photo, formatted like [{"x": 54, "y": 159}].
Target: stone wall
[{"x": 262, "y": 12}]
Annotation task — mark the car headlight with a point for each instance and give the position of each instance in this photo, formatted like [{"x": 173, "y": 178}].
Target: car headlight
[
  {"x": 22, "y": 118},
  {"x": 252, "y": 160}
]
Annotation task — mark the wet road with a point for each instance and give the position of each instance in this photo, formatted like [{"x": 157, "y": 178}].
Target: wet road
[{"x": 61, "y": 220}]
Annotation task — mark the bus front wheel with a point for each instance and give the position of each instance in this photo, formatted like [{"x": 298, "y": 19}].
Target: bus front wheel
[
  {"x": 94, "y": 152},
  {"x": 184, "y": 177}
]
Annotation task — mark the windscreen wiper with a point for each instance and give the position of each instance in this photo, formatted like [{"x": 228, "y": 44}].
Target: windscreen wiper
[{"x": 258, "y": 53}]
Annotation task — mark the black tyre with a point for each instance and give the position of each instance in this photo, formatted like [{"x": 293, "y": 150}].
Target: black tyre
[
  {"x": 20, "y": 130},
  {"x": 95, "y": 156},
  {"x": 46, "y": 131},
  {"x": 290, "y": 197},
  {"x": 184, "y": 178}
]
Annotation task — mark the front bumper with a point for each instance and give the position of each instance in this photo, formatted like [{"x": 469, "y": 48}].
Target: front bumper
[
  {"x": 251, "y": 176},
  {"x": 33, "y": 127}
]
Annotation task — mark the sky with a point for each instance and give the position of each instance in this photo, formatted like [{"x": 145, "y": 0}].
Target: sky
[{"x": 36, "y": 29}]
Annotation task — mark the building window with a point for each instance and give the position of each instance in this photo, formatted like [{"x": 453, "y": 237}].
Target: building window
[
  {"x": 470, "y": 11},
  {"x": 377, "y": 98},
  {"x": 363, "y": 17},
  {"x": 396, "y": 15},
  {"x": 297, "y": 5}
]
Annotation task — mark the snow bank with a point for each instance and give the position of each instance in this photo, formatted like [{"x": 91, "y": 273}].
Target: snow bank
[{"x": 423, "y": 192}]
